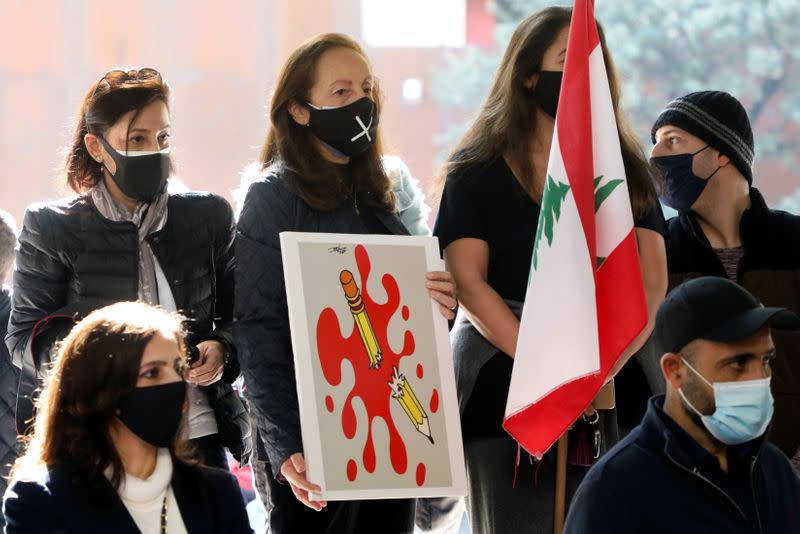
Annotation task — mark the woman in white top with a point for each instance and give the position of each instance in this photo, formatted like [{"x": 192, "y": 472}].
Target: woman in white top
[{"x": 107, "y": 453}]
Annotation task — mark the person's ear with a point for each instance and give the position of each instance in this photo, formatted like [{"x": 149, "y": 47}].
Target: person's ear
[
  {"x": 723, "y": 160},
  {"x": 299, "y": 113},
  {"x": 673, "y": 369},
  {"x": 530, "y": 82},
  {"x": 94, "y": 147}
]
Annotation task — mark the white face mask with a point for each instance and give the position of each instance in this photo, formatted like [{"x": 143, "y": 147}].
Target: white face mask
[{"x": 743, "y": 409}]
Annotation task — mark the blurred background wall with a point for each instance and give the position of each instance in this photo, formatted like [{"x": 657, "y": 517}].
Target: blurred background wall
[{"x": 435, "y": 60}]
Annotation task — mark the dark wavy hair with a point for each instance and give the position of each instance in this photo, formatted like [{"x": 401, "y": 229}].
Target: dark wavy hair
[
  {"x": 507, "y": 118},
  {"x": 115, "y": 94},
  {"x": 321, "y": 183},
  {"x": 97, "y": 366}
]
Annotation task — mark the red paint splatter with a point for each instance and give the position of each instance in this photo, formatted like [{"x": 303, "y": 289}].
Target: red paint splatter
[
  {"x": 349, "y": 423},
  {"x": 420, "y": 370},
  {"x": 420, "y": 474},
  {"x": 371, "y": 384},
  {"x": 435, "y": 401},
  {"x": 329, "y": 403},
  {"x": 352, "y": 470},
  {"x": 405, "y": 313}
]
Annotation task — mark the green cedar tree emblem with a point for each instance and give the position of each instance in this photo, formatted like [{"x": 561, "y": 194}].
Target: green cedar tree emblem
[{"x": 554, "y": 195}]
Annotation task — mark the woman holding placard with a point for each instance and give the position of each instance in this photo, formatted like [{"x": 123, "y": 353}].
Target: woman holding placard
[{"x": 320, "y": 171}]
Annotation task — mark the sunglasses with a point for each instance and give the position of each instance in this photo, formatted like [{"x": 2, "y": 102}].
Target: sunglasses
[{"x": 117, "y": 77}]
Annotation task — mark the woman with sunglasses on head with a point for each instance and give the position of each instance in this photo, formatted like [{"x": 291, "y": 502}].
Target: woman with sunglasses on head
[
  {"x": 125, "y": 237},
  {"x": 320, "y": 171},
  {"x": 106, "y": 454}
]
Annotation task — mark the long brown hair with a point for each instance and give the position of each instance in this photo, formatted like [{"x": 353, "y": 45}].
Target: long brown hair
[
  {"x": 320, "y": 183},
  {"x": 507, "y": 117},
  {"x": 115, "y": 94},
  {"x": 96, "y": 368}
]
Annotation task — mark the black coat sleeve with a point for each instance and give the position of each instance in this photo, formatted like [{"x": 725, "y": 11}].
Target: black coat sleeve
[
  {"x": 29, "y": 507},
  {"x": 224, "y": 266},
  {"x": 262, "y": 321},
  {"x": 41, "y": 280}
]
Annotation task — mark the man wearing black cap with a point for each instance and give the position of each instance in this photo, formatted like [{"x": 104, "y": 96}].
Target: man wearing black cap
[
  {"x": 704, "y": 149},
  {"x": 699, "y": 461}
]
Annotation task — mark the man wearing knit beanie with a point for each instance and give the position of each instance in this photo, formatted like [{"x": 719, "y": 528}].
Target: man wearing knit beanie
[
  {"x": 716, "y": 118},
  {"x": 704, "y": 151}
]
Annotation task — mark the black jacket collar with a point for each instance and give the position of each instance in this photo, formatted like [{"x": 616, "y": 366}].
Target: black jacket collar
[
  {"x": 186, "y": 483},
  {"x": 102, "y": 503},
  {"x": 666, "y": 437},
  {"x": 750, "y": 226},
  {"x": 290, "y": 178}
]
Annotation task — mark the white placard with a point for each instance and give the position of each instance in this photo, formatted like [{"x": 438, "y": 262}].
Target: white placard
[{"x": 373, "y": 365}]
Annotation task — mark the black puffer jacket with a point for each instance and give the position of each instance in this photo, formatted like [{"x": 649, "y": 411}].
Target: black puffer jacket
[
  {"x": 71, "y": 260},
  {"x": 9, "y": 376}
]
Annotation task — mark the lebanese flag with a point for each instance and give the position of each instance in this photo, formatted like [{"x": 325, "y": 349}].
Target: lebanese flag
[{"x": 585, "y": 300}]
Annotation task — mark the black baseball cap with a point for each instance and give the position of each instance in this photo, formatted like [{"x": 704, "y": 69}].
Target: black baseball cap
[{"x": 714, "y": 309}]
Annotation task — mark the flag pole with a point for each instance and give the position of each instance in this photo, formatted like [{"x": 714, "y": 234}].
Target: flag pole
[{"x": 561, "y": 484}]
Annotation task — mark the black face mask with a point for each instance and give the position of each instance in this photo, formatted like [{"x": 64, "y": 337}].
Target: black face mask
[
  {"x": 139, "y": 177},
  {"x": 349, "y": 129},
  {"x": 682, "y": 187},
  {"x": 547, "y": 90},
  {"x": 154, "y": 413}
]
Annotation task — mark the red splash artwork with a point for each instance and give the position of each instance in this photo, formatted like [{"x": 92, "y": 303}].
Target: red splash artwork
[
  {"x": 420, "y": 474},
  {"x": 378, "y": 382},
  {"x": 434, "y": 401},
  {"x": 352, "y": 470}
]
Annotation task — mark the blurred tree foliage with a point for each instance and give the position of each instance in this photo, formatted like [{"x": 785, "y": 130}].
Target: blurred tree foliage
[{"x": 663, "y": 50}]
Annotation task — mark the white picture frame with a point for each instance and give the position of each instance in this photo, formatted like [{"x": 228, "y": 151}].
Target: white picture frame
[{"x": 341, "y": 366}]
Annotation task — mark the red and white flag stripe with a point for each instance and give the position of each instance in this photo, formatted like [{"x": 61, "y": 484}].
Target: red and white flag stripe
[{"x": 585, "y": 301}]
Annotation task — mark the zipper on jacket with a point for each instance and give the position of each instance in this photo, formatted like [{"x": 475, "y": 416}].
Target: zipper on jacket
[
  {"x": 753, "y": 489},
  {"x": 697, "y": 474}
]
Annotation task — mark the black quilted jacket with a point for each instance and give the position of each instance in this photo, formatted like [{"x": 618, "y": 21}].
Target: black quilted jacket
[
  {"x": 262, "y": 320},
  {"x": 9, "y": 376},
  {"x": 71, "y": 260}
]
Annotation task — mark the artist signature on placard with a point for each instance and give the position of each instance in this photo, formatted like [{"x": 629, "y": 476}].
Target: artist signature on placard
[{"x": 338, "y": 249}]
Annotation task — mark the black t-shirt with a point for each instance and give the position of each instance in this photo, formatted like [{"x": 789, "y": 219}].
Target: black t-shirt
[{"x": 488, "y": 203}]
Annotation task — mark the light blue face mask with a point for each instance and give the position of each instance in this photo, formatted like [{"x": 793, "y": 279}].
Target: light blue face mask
[{"x": 743, "y": 409}]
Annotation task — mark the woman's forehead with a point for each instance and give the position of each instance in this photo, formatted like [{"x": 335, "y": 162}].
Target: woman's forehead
[
  {"x": 154, "y": 116},
  {"x": 342, "y": 64},
  {"x": 160, "y": 347}
]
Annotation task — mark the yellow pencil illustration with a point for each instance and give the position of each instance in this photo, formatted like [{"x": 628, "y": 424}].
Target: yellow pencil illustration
[
  {"x": 401, "y": 390},
  {"x": 353, "y": 295}
]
